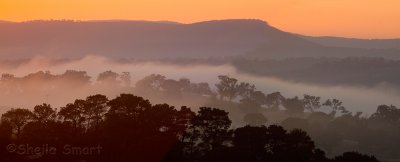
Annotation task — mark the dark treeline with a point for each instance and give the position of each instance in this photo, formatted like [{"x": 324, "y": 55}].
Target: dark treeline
[
  {"x": 130, "y": 128},
  {"x": 45, "y": 80},
  {"x": 331, "y": 125},
  {"x": 366, "y": 71}
]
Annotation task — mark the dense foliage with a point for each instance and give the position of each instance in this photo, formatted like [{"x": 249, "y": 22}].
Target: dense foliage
[{"x": 130, "y": 128}]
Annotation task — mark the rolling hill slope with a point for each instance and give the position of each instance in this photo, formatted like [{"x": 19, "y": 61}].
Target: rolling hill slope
[{"x": 142, "y": 39}]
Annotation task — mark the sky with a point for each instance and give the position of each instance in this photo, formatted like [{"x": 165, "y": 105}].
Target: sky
[{"x": 346, "y": 18}]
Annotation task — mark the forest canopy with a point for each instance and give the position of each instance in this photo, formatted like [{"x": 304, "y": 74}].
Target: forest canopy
[{"x": 130, "y": 128}]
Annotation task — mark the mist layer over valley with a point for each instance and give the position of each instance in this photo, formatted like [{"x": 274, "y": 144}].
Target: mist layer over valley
[{"x": 60, "y": 92}]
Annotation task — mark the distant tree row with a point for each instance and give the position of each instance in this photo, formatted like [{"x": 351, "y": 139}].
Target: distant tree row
[
  {"x": 230, "y": 89},
  {"x": 227, "y": 88},
  {"x": 325, "y": 71},
  {"x": 71, "y": 76},
  {"x": 333, "y": 128}
]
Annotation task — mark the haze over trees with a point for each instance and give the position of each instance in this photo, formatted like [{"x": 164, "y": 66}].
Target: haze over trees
[{"x": 329, "y": 124}]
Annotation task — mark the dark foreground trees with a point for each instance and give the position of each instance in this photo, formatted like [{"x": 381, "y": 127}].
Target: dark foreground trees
[{"x": 130, "y": 128}]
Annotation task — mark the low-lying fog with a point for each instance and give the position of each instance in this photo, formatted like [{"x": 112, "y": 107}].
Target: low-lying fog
[{"x": 364, "y": 99}]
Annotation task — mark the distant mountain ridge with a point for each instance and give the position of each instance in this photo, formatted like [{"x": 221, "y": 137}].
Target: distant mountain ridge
[
  {"x": 143, "y": 39},
  {"x": 355, "y": 43},
  {"x": 2, "y": 21}
]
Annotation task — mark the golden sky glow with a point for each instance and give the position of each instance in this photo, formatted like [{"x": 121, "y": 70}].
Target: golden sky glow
[{"x": 349, "y": 18}]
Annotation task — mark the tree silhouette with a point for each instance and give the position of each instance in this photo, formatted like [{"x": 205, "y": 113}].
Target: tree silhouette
[
  {"x": 95, "y": 109},
  {"x": 274, "y": 100},
  {"x": 227, "y": 87},
  {"x": 245, "y": 90},
  {"x": 335, "y": 105},
  {"x": 108, "y": 78},
  {"x": 73, "y": 113},
  {"x": 300, "y": 146},
  {"x": 127, "y": 106},
  {"x": 75, "y": 77},
  {"x": 17, "y": 118},
  {"x": 7, "y": 77},
  {"x": 387, "y": 113},
  {"x": 212, "y": 125},
  {"x": 44, "y": 113},
  {"x": 150, "y": 84},
  {"x": 311, "y": 103}
]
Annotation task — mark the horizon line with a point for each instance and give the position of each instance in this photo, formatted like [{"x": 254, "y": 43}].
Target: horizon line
[{"x": 177, "y": 22}]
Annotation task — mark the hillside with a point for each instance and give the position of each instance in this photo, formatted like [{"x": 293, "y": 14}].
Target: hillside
[
  {"x": 355, "y": 43},
  {"x": 143, "y": 39}
]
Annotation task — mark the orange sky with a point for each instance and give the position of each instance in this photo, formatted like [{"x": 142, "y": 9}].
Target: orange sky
[{"x": 349, "y": 18}]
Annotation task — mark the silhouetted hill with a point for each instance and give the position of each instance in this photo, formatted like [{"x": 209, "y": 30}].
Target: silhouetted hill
[
  {"x": 143, "y": 39},
  {"x": 3, "y": 22},
  {"x": 131, "y": 38},
  {"x": 355, "y": 43}
]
